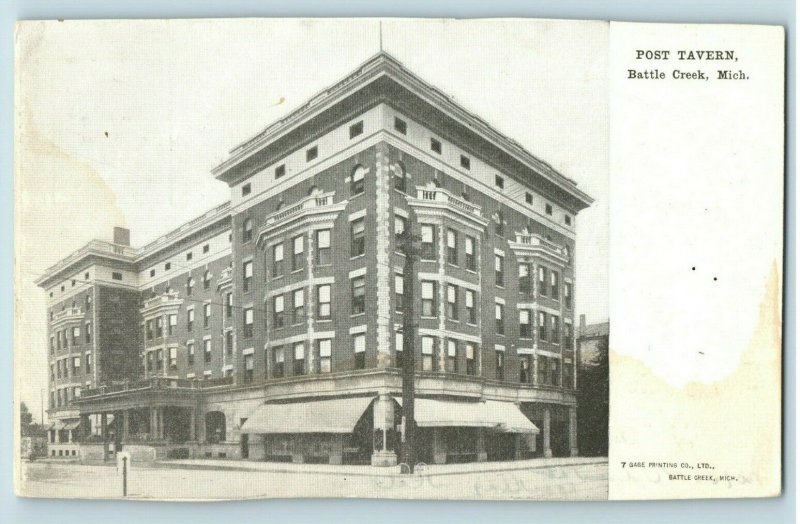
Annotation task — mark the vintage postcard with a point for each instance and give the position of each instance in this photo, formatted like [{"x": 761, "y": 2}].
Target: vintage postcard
[{"x": 389, "y": 258}]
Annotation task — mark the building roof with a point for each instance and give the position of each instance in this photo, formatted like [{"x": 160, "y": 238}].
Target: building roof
[
  {"x": 371, "y": 75},
  {"x": 594, "y": 330}
]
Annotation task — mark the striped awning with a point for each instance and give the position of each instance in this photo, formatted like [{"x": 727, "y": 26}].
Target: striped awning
[{"x": 501, "y": 416}]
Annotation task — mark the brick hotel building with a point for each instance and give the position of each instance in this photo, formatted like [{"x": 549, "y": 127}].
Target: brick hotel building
[{"x": 268, "y": 328}]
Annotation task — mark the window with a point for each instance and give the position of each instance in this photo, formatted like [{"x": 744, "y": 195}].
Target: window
[
  {"x": 58, "y": 369},
  {"x": 359, "y": 350},
  {"x": 152, "y": 272},
  {"x": 568, "y": 295},
  {"x": 52, "y": 344},
  {"x": 399, "y": 175},
  {"x": 298, "y": 306},
  {"x": 88, "y": 360},
  {"x": 568, "y": 336},
  {"x": 52, "y": 372},
  {"x": 555, "y": 332},
  {"x": 298, "y": 363},
  {"x": 277, "y": 260},
  {"x": 399, "y": 297},
  {"x": 277, "y": 311},
  {"x": 525, "y": 284},
  {"x": 76, "y": 365},
  {"x": 207, "y": 280},
  {"x": 452, "y": 363},
  {"x": 206, "y": 315},
  {"x": 400, "y": 125},
  {"x": 228, "y": 305},
  {"x": 190, "y": 353},
  {"x": 569, "y": 381},
  {"x": 149, "y": 361},
  {"x": 428, "y": 299},
  {"x": 248, "y": 323},
  {"x": 298, "y": 257},
  {"x": 248, "y": 368},
  {"x": 548, "y": 209},
  {"x": 247, "y": 230},
  {"x": 323, "y": 247},
  {"x": 554, "y": 287},
  {"x": 278, "y": 359},
  {"x": 189, "y": 319},
  {"x": 452, "y": 247},
  {"x": 568, "y": 220},
  {"x": 357, "y": 299},
  {"x": 207, "y": 351},
  {"x": 160, "y": 360},
  {"x": 452, "y": 302},
  {"x": 356, "y": 129},
  {"x": 311, "y": 153},
  {"x": 499, "y": 319},
  {"x": 172, "y": 324},
  {"x": 398, "y": 345},
  {"x": 525, "y": 368},
  {"x": 399, "y": 228},
  {"x": 469, "y": 250},
  {"x": 324, "y": 302},
  {"x": 357, "y": 238},
  {"x": 189, "y": 286},
  {"x": 167, "y": 266},
  {"x": 116, "y": 276},
  {"x": 324, "y": 349},
  {"x": 357, "y": 180},
  {"x": 499, "y": 181},
  {"x": 427, "y": 353},
  {"x": 499, "y": 364},
  {"x": 436, "y": 146},
  {"x": 498, "y": 270},
  {"x": 148, "y": 326},
  {"x": 86, "y": 276},
  {"x": 469, "y": 303},
  {"x": 542, "y": 280},
  {"x": 542, "y": 323},
  {"x": 246, "y": 189},
  {"x": 280, "y": 171},
  {"x": 465, "y": 162},
  {"x": 499, "y": 225},
  {"x": 428, "y": 242},
  {"x": 206, "y": 248},
  {"x": 528, "y": 198},
  {"x": 76, "y": 335},
  {"x": 173, "y": 358},
  {"x": 247, "y": 275},
  {"x": 189, "y": 255},
  {"x": 525, "y": 327}
]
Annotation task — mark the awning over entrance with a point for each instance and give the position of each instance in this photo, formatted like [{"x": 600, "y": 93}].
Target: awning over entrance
[
  {"x": 502, "y": 416},
  {"x": 319, "y": 416},
  {"x": 72, "y": 425},
  {"x": 57, "y": 425}
]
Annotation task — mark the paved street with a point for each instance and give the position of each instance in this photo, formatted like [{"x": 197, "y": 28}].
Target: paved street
[{"x": 575, "y": 479}]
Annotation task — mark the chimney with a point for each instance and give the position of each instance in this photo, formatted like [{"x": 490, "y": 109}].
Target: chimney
[
  {"x": 122, "y": 236},
  {"x": 582, "y": 328}
]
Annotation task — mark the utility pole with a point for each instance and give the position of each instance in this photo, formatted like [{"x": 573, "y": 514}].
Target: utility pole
[{"x": 407, "y": 247}]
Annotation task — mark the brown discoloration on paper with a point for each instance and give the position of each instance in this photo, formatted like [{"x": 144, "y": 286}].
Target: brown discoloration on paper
[{"x": 734, "y": 424}]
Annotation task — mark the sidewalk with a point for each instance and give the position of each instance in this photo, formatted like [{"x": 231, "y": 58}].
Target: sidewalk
[{"x": 371, "y": 471}]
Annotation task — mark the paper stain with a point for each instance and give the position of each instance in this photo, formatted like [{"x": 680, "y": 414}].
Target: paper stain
[{"x": 734, "y": 424}]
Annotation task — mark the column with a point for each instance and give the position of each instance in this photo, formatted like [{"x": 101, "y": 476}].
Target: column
[
  {"x": 481, "y": 447},
  {"x": 546, "y": 438},
  {"x": 573, "y": 431},
  {"x": 153, "y": 423},
  {"x": 518, "y": 450},
  {"x": 86, "y": 427},
  {"x": 104, "y": 432},
  {"x": 160, "y": 415},
  {"x": 439, "y": 447},
  {"x": 192, "y": 425},
  {"x": 125, "y": 424},
  {"x": 383, "y": 425}
]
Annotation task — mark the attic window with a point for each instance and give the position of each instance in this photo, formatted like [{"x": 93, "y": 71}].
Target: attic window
[
  {"x": 528, "y": 198},
  {"x": 311, "y": 153},
  {"x": 356, "y": 129},
  {"x": 189, "y": 255},
  {"x": 548, "y": 209},
  {"x": 86, "y": 276},
  {"x": 167, "y": 266},
  {"x": 436, "y": 146},
  {"x": 205, "y": 248},
  {"x": 465, "y": 162},
  {"x": 246, "y": 189},
  {"x": 499, "y": 181},
  {"x": 280, "y": 171},
  {"x": 568, "y": 220},
  {"x": 152, "y": 272}
]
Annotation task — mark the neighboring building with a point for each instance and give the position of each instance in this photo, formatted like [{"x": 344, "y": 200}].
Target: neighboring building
[
  {"x": 593, "y": 384},
  {"x": 268, "y": 327}
]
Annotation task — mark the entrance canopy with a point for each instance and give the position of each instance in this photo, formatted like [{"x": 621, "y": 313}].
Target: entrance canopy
[
  {"x": 502, "y": 416},
  {"x": 319, "y": 416}
]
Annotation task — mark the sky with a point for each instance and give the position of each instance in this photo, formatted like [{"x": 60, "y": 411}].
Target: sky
[{"x": 119, "y": 123}]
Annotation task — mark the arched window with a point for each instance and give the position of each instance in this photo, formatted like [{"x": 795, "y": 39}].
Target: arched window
[
  {"x": 206, "y": 280},
  {"x": 189, "y": 286},
  {"x": 399, "y": 174},
  {"x": 357, "y": 180},
  {"x": 247, "y": 230}
]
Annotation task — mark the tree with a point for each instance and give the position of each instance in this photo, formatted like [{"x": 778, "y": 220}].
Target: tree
[
  {"x": 25, "y": 419},
  {"x": 593, "y": 404}
]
